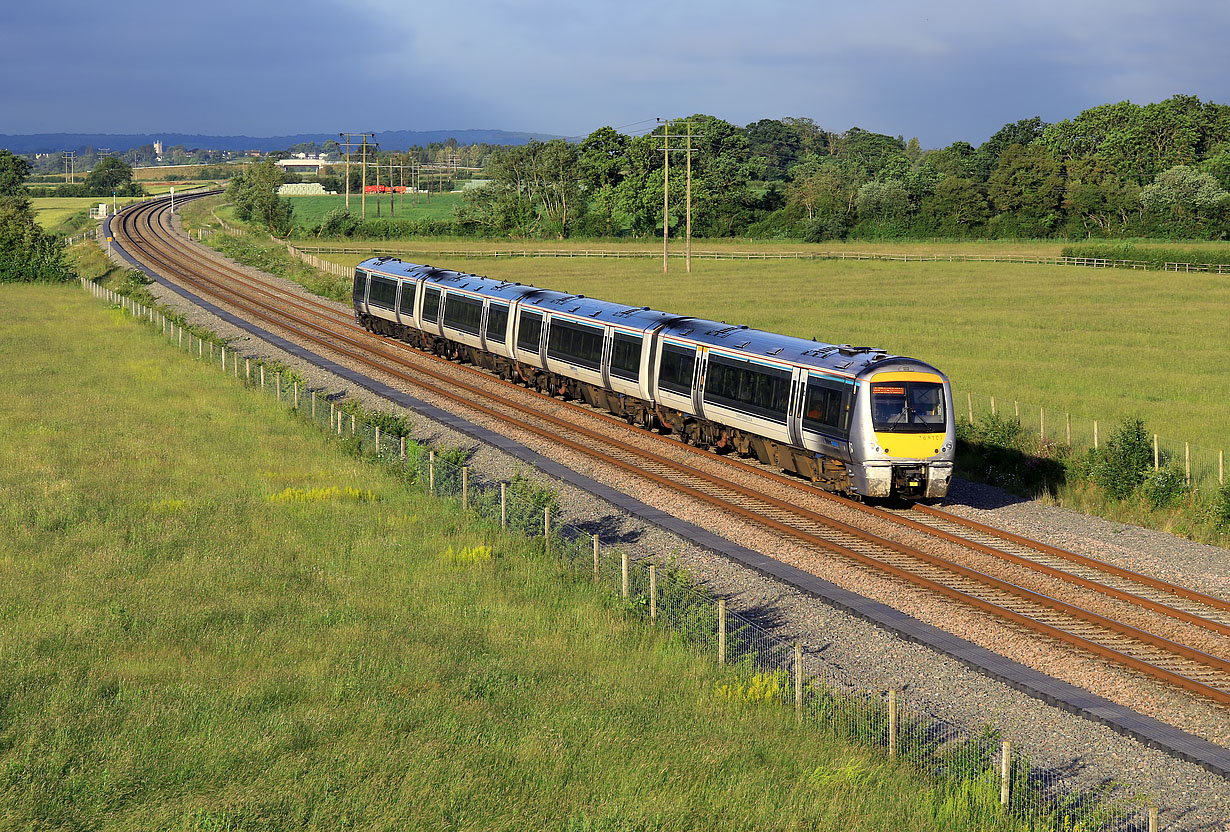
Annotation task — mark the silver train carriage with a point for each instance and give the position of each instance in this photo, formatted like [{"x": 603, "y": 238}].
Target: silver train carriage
[{"x": 851, "y": 419}]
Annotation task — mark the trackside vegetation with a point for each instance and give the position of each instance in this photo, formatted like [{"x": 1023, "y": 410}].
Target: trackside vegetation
[{"x": 219, "y": 621}]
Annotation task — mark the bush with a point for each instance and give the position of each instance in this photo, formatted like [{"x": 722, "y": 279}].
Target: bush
[
  {"x": 1222, "y": 511},
  {"x": 1164, "y": 487},
  {"x": 1120, "y": 469}
]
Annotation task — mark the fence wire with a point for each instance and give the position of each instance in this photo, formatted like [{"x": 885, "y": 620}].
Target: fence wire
[{"x": 759, "y": 666}]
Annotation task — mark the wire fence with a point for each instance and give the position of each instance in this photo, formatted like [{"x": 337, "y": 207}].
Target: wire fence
[
  {"x": 983, "y": 772},
  {"x": 1201, "y": 467}
]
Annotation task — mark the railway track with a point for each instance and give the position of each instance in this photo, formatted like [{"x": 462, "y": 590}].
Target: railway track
[{"x": 783, "y": 505}]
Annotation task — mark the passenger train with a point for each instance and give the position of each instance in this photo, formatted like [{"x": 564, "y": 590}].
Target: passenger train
[{"x": 851, "y": 419}]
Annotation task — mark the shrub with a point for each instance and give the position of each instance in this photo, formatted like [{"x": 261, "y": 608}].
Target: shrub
[
  {"x": 1164, "y": 487},
  {"x": 1120, "y": 469}
]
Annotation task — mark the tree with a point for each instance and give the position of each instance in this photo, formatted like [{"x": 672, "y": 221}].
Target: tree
[
  {"x": 602, "y": 159},
  {"x": 826, "y": 190},
  {"x": 254, "y": 192},
  {"x": 957, "y": 207},
  {"x": 13, "y": 173},
  {"x": 112, "y": 175},
  {"x": 1187, "y": 201},
  {"x": 884, "y": 204},
  {"x": 1027, "y": 184},
  {"x": 534, "y": 189},
  {"x": 27, "y": 253}
]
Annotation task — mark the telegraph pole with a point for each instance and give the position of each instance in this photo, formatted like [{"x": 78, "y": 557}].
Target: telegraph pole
[
  {"x": 70, "y": 166},
  {"x": 687, "y": 257},
  {"x": 666, "y": 194},
  {"x": 348, "y": 136},
  {"x": 666, "y": 152}
]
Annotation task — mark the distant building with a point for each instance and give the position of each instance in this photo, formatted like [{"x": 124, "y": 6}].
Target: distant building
[
  {"x": 157, "y": 147},
  {"x": 301, "y": 165}
]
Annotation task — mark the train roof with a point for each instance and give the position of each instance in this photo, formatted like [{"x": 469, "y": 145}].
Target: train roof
[
  {"x": 599, "y": 311},
  {"x": 731, "y": 338},
  {"x": 743, "y": 341}
]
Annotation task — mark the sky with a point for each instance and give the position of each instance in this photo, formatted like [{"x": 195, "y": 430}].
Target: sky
[{"x": 948, "y": 71}]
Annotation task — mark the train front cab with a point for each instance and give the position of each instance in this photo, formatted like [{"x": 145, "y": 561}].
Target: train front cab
[{"x": 907, "y": 435}]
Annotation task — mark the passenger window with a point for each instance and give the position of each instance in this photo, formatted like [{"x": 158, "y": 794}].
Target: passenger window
[
  {"x": 827, "y": 407},
  {"x": 497, "y": 323},
  {"x": 530, "y": 331},
  {"x": 431, "y": 306},
  {"x": 626, "y": 356},
  {"x": 407, "y": 298},
  {"x": 675, "y": 372}
]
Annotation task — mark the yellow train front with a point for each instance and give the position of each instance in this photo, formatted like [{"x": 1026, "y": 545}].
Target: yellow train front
[{"x": 903, "y": 435}]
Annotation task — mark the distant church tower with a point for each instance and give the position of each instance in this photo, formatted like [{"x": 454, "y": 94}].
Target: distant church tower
[{"x": 158, "y": 147}]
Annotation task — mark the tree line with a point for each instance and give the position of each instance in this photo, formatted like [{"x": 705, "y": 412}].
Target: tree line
[
  {"x": 1117, "y": 170},
  {"x": 27, "y": 253}
]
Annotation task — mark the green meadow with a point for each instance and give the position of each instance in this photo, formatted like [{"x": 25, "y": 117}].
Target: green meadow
[
  {"x": 311, "y": 210},
  {"x": 217, "y": 620}
]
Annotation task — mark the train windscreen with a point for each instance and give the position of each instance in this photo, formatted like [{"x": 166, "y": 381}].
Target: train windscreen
[{"x": 908, "y": 406}]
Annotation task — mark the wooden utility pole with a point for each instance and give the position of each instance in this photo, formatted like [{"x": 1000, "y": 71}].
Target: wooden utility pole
[
  {"x": 666, "y": 194},
  {"x": 687, "y": 257},
  {"x": 347, "y": 136}
]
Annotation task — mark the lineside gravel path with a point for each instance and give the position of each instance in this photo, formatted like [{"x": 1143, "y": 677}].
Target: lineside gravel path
[{"x": 712, "y": 568}]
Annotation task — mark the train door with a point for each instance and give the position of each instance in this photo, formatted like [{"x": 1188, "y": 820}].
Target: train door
[
  {"x": 698, "y": 382},
  {"x": 794, "y": 410}
]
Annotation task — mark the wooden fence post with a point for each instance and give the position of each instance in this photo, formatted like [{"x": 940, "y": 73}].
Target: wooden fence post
[
  {"x": 313, "y": 405},
  {"x": 595, "y": 558},
  {"x": 1016, "y": 409},
  {"x": 354, "y": 424},
  {"x": 1068, "y": 419},
  {"x": 465, "y": 486},
  {"x": 278, "y": 381},
  {"x": 1187, "y": 461},
  {"x": 546, "y": 530},
  {"x": 431, "y": 472},
  {"x": 262, "y": 376},
  {"x": 969, "y": 402},
  {"x": 377, "y": 440},
  {"x": 1221, "y": 467},
  {"x": 403, "y": 449},
  {"x": 1095, "y": 434},
  {"x": 504, "y": 505},
  {"x": 798, "y": 683},
  {"x": 653, "y": 592},
  {"x": 892, "y": 722},
  {"x": 296, "y": 395},
  {"x": 224, "y": 359},
  {"x": 1152, "y": 819},
  {"x": 1155, "y": 455},
  {"x": 992, "y": 405},
  {"x": 1005, "y": 774},
  {"x": 1042, "y": 422},
  {"x": 623, "y": 574},
  {"x": 247, "y": 368},
  {"x": 721, "y": 631}
]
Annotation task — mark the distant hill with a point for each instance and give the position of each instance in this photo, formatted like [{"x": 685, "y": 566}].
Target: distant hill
[{"x": 390, "y": 140}]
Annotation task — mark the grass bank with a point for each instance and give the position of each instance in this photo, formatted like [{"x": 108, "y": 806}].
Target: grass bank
[{"x": 218, "y": 621}]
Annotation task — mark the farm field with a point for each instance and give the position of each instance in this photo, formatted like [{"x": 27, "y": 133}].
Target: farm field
[
  {"x": 310, "y": 210},
  {"x": 218, "y": 620},
  {"x": 1099, "y": 343},
  {"x": 52, "y": 211}
]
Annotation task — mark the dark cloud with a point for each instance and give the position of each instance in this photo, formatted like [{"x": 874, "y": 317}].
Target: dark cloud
[{"x": 959, "y": 70}]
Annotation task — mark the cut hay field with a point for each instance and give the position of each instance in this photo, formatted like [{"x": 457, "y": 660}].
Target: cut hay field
[
  {"x": 1099, "y": 343},
  {"x": 216, "y": 620}
]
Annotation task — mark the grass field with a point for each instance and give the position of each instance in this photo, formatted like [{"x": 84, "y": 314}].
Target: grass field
[
  {"x": 53, "y": 211},
  {"x": 206, "y": 631},
  {"x": 310, "y": 210}
]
